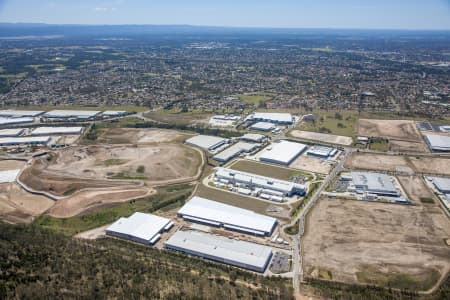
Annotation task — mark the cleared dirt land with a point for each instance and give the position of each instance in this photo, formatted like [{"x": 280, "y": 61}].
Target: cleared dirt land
[
  {"x": 75, "y": 168},
  {"x": 311, "y": 164},
  {"x": 404, "y": 146},
  {"x": 139, "y": 136},
  {"x": 376, "y": 243},
  {"x": 408, "y": 164},
  {"x": 416, "y": 189},
  {"x": 392, "y": 129},
  {"x": 19, "y": 206},
  {"x": 322, "y": 137}
]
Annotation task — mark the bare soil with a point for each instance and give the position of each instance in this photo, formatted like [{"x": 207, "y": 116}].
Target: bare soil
[
  {"x": 11, "y": 164},
  {"x": 415, "y": 188},
  {"x": 322, "y": 137},
  {"x": 19, "y": 206},
  {"x": 405, "y": 146},
  {"x": 140, "y": 136},
  {"x": 311, "y": 164},
  {"x": 399, "y": 163},
  {"x": 376, "y": 243},
  {"x": 405, "y": 130}
]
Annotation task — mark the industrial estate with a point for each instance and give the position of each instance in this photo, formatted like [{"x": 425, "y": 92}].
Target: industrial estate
[{"x": 261, "y": 190}]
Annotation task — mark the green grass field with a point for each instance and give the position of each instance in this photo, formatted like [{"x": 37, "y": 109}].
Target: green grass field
[
  {"x": 381, "y": 145},
  {"x": 173, "y": 196}
]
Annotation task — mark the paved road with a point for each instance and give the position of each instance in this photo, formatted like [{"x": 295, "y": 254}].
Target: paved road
[{"x": 297, "y": 256}]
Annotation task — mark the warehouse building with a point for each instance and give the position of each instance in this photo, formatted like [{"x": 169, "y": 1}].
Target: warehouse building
[
  {"x": 261, "y": 184},
  {"x": 56, "y": 130},
  {"x": 322, "y": 152},
  {"x": 253, "y": 137},
  {"x": 25, "y": 140},
  {"x": 140, "y": 227},
  {"x": 373, "y": 183},
  {"x": 12, "y": 113},
  {"x": 263, "y": 126},
  {"x": 9, "y": 175},
  {"x": 237, "y": 253},
  {"x": 82, "y": 115},
  {"x": 276, "y": 118},
  {"x": 114, "y": 113},
  {"x": 15, "y": 121},
  {"x": 438, "y": 142},
  {"x": 223, "y": 120},
  {"x": 206, "y": 142},
  {"x": 442, "y": 184},
  {"x": 214, "y": 213},
  {"x": 282, "y": 153},
  {"x": 234, "y": 151},
  {"x": 11, "y": 132}
]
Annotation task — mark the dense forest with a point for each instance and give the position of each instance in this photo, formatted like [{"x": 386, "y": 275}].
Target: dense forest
[{"x": 40, "y": 264}]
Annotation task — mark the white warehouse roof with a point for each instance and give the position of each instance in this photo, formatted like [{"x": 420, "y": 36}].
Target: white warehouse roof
[
  {"x": 263, "y": 126},
  {"x": 12, "y": 121},
  {"x": 283, "y": 152},
  {"x": 57, "y": 130},
  {"x": 286, "y": 187},
  {"x": 11, "y": 132},
  {"x": 8, "y": 175},
  {"x": 438, "y": 142},
  {"x": 207, "y": 142},
  {"x": 25, "y": 140},
  {"x": 216, "y": 213},
  {"x": 12, "y": 113},
  {"x": 82, "y": 114},
  {"x": 376, "y": 183},
  {"x": 281, "y": 118},
  {"x": 234, "y": 151},
  {"x": 112, "y": 113},
  {"x": 139, "y": 227},
  {"x": 237, "y": 253},
  {"x": 442, "y": 184}
]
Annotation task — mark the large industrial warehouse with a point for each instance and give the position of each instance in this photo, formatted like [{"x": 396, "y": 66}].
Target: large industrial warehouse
[
  {"x": 9, "y": 175},
  {"x": 241, "y": 254},
  {"x": 262, "y": 126},
  {"x": 72, "y": 114},
  {"x": 230, "y": 217},
  {"x": 12, "y": 113},
  {"x": 438, "y": 142},
  {"x": 56, "y": 130},
  {"x": 283, "y": 152},
  {"x": 206, "y": 142},
  {"x": 14, "y": 121},
  {"x": 374, "y": 183},
  {"x": 24, "y": 140},
  {"x": 11, "y": 132},
  {"x": 276, "y": 118},
  {"x": 235, "y": 150},
  {"x": 442, "y": 184},
  {"x": 140, "y": 227},
  {"x": 266, "y": 185}
]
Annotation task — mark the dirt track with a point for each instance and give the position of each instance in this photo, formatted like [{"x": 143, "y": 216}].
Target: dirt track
[
  {"x": 392, "y": 129},
  {"x": 375, "y": 243}
]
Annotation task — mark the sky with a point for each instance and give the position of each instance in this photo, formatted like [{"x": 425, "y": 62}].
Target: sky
[{"x": 362, "y": 14}]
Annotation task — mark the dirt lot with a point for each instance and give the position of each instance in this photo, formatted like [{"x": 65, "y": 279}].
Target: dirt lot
[
  {"x": 11, "y": 164},
  {"x": 322, "y": 137},
  {"x": 75, "y": 168},
  {"x": 392, "y": 129},
  {"x": 76, "y": 204},
  {"x": 311, "y": 164},
  {"x": 19, "y": 206},
  {"x": 376, "y": 243},
  {"x": 139, "y": 136},
  {"x": 404, "y": 146},
  {"x": 381, "y": 162},
  {"x": 415, "y": 188}
]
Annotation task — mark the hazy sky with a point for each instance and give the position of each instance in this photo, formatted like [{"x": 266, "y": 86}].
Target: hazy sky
[{"x": 394, "y": 14}]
